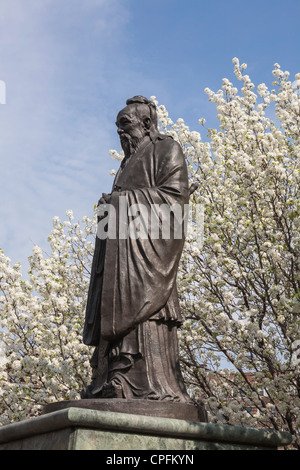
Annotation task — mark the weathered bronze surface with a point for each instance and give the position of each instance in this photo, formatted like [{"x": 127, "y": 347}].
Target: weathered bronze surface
[
  {"x": 85, "y": 429},
  {"x": 133, "y": 312},
  {"x": 161, "y": 409}
]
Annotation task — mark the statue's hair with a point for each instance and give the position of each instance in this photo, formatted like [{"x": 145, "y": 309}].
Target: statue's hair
[{"x": 142, "y": 100}]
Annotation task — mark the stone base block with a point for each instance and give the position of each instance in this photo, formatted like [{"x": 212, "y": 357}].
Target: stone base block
[
  {"x": 161, "y": 409},
  {"x": 87, "y": 429}
]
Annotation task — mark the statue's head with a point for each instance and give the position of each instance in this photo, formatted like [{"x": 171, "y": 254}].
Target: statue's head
[{"x": 135, "y": 121}]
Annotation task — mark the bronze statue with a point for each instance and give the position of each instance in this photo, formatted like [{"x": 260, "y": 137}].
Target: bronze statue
[{"x": 132, "y": 311}]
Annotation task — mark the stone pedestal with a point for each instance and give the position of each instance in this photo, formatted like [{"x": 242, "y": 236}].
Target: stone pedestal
[{"x": 87, "y": 429}]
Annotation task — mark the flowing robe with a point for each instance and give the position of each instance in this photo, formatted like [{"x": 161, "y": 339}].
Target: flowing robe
[{"x": 133, "y": 306}]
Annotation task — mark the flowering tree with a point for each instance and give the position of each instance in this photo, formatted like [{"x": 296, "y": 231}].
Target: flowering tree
[
  {"x": 42, "y": 318},
  {"x": 239, "y": 284}
]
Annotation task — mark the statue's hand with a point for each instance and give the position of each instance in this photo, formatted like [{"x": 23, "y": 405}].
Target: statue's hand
[{"x": 104, "y": 199}]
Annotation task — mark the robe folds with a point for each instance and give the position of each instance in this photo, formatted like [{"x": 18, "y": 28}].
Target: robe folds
[{"x": 133, "y": 277}]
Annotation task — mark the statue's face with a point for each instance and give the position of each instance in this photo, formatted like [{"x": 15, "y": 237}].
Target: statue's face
[{"x": 131, "y": 128}]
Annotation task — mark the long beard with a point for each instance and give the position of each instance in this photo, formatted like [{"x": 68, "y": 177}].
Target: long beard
[{"x": 129, "y": 144}]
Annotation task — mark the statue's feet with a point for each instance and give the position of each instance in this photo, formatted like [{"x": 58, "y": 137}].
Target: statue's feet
[
  {"x": 111, "y": 390},
  {"x": 108, "y": 390}
]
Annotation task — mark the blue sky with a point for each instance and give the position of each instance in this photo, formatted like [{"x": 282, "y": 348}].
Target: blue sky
[{"x": 70, "y": 65}]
